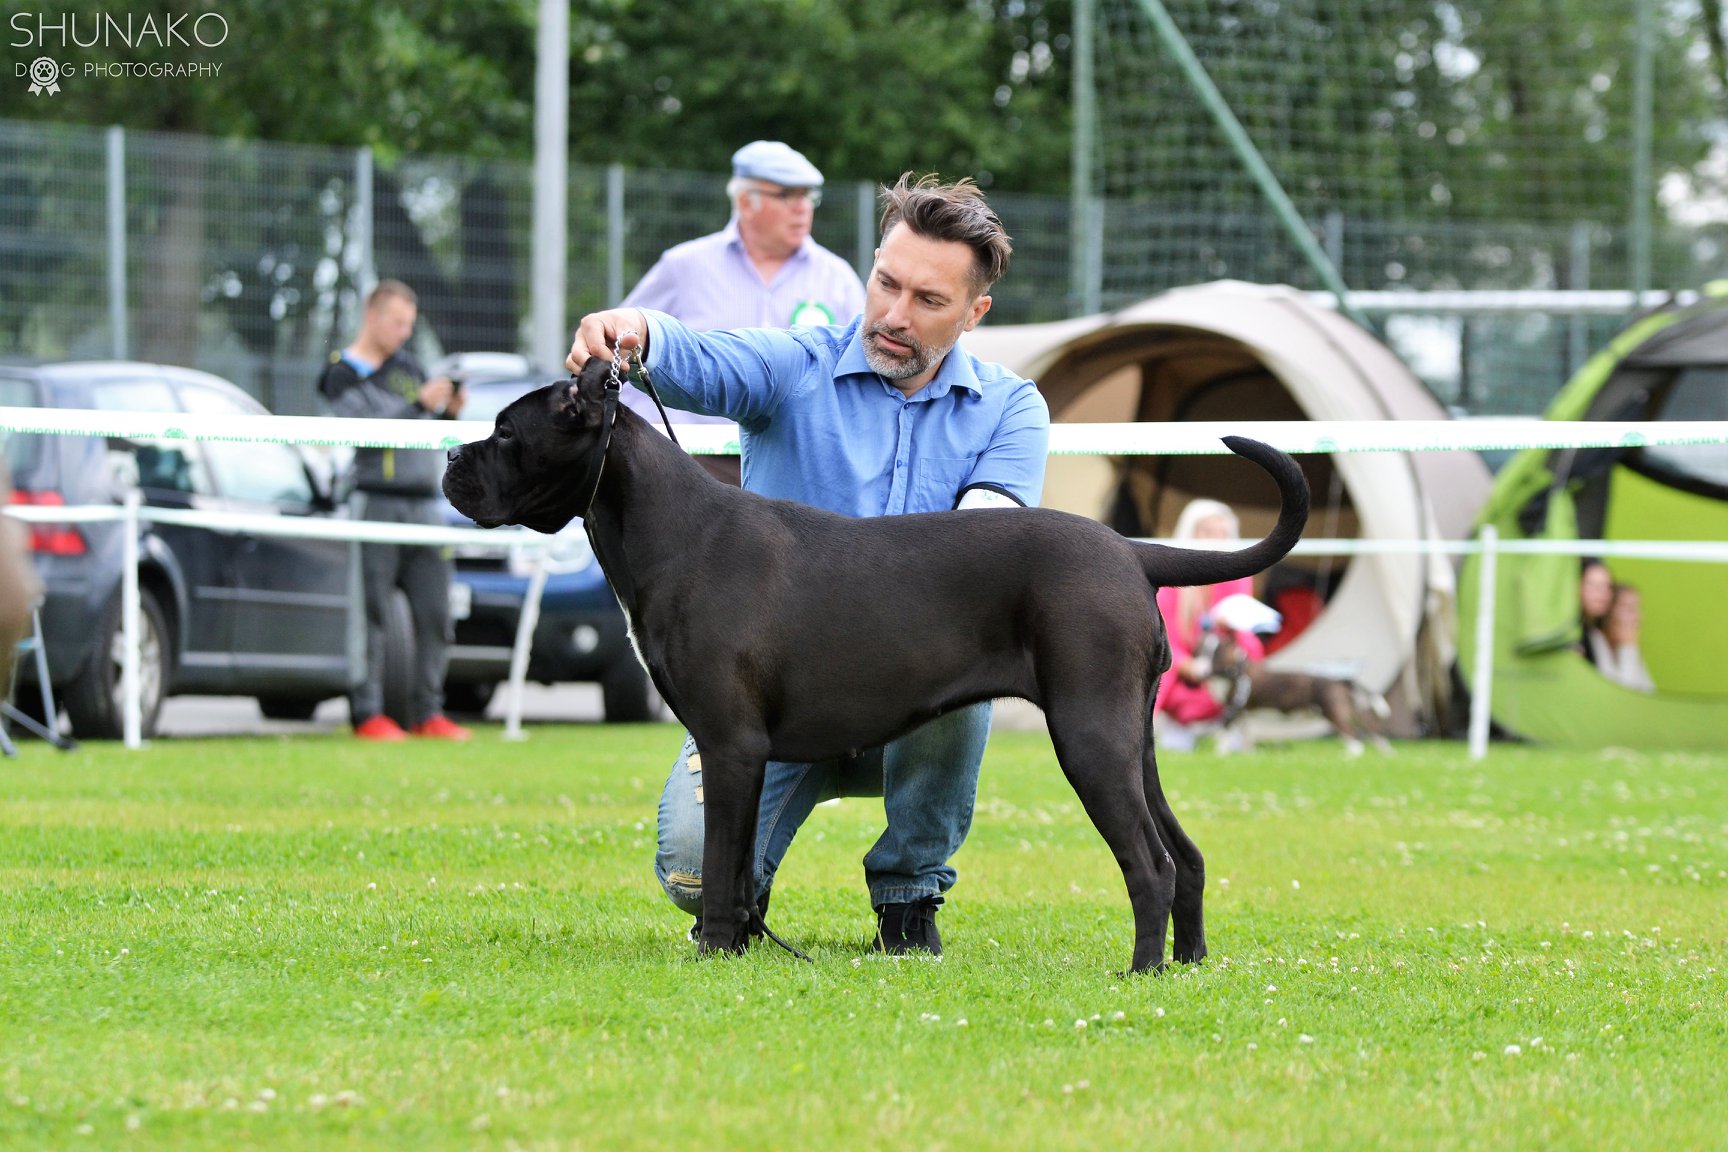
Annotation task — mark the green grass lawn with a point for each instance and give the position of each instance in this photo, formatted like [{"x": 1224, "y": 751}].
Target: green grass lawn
[{"x": 315, "y": 943}]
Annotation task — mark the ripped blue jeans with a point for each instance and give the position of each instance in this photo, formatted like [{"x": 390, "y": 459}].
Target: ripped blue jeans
[{"x": 928, "y": 780}]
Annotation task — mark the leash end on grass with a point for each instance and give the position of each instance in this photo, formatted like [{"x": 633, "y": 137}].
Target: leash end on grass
[{"x": 769, "y": 932}]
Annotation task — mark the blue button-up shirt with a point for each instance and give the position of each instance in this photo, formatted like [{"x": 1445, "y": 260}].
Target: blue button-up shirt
[{"x": 817, "y": 425}]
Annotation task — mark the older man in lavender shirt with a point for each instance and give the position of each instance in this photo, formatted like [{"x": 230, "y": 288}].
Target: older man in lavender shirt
[{"x": 762, "y": 270}]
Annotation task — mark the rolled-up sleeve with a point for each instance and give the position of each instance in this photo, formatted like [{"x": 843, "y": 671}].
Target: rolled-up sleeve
[{"x": 1015, "y": 458}]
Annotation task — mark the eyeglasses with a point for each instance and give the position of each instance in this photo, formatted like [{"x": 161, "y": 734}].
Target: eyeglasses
[{"x": 791, "y": 195}]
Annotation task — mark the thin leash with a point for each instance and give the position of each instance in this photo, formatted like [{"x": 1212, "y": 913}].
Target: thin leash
[
  {"x": 769, "y": 932},
  {"x": 646, "y": 381}
]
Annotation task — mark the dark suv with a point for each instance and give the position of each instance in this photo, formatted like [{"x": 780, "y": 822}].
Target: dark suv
[
  {"x": 581, "y": 634},
  {"x": 223, "y": 612}
]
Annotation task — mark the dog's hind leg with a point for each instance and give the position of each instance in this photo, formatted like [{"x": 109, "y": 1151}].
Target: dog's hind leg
[
  {"x": 1098, "y": 762},
  {"x": 1187, "y": 906},
  {"x": 732, "y": 786}
]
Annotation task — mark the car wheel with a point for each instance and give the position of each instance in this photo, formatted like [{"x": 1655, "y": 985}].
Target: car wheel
[
  {"x": 288, "y": 707},
  {"x": 399, "y": 650},
  {"x": 93, "y": 702},
  {"x": 628, "y": 694},
  {"x": 470, "y": 698}
]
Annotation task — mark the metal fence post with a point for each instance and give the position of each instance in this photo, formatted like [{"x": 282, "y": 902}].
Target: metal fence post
[
  {"x": 116, "y": 155},
  {"x": 363, "y": 265},
  {"x": 1084, "y": 99},
  {"x": 1578, "y": 278},
  {"x": 549, "y": 336},
  {"x": 1643, "y": 98},
  {"x": 1482, "y": 679},
  {"x": 614, "y": 234},
  {"x": 866, "y": 228}
]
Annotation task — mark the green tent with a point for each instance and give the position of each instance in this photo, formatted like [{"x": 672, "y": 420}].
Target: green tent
[{"x": 1669, "y": 365}]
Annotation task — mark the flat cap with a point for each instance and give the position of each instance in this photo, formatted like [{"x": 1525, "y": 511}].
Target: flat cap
[{"x": 776, "y": 163}]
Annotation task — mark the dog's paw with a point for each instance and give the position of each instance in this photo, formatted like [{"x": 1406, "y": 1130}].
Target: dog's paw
[{"x": 722, "y": 945}]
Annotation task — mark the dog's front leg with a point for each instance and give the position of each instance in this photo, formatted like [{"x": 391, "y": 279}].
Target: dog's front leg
[{"x": 732, "y": 784}]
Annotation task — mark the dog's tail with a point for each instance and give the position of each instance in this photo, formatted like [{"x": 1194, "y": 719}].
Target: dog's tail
[{"x": 1167, "y": 566}]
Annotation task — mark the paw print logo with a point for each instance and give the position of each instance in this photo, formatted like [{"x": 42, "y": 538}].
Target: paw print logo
[{"x": 44, "y": 76}]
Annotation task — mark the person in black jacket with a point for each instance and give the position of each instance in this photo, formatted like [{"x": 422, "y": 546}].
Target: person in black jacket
[{"x": 377, "y": 377}]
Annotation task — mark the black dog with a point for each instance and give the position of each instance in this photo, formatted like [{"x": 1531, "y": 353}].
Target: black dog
[{"x": 778, "y": 631}]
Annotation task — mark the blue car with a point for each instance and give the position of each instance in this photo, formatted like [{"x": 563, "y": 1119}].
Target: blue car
[{"x": 581, "y": 634}]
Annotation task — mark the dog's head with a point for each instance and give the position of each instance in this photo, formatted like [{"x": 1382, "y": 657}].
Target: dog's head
[{"x": 530, "y": 471}]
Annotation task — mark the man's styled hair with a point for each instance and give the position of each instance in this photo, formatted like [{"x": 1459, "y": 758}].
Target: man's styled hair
[
  {"x": 389, "y": 288},
  {"x": 956, "y": 212}
]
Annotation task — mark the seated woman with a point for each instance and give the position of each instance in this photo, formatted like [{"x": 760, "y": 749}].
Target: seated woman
[
  {"x": 1182, "y": 692},
  {"x": 1595, "y": 594},
  {"x": 1614, "y": 649}
]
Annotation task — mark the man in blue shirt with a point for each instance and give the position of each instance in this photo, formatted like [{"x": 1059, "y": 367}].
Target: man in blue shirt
[{"x": 878, "y": 417}]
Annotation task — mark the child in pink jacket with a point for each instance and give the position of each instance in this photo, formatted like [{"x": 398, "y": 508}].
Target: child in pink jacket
[{"x": 1182, "y": 692}]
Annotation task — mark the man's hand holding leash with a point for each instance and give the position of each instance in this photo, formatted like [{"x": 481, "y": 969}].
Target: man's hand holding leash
[{"x": 616, "y": 331}]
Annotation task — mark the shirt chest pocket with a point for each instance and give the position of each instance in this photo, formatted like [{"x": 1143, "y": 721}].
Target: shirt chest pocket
[{"x": 939, "y": 479}]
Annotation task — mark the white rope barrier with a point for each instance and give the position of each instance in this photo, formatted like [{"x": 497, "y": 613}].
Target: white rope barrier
[
  {"x": 1490, "y": 301},
  {"x": 1187, "y": 438}
]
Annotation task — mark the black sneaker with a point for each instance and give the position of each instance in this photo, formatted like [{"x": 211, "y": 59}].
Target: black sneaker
[
  {"x": 909, "y": 929},
  {"x": 756, "y": 928}
]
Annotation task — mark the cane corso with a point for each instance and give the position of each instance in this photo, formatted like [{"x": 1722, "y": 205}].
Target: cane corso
[{"x": 779, "y": 631}]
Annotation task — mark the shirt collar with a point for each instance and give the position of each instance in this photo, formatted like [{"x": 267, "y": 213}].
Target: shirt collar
[
  {"x": 735, "y": 241},
  {"x": 955, "y": 372}
]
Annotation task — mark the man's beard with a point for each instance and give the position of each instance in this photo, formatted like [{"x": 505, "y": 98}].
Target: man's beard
[{"x": 901, "y": 366}]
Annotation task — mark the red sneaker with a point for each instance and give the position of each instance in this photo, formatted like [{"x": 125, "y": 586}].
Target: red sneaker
[
  {"x": 379, "y": 727},
  {"x": 441, "y": 727}
]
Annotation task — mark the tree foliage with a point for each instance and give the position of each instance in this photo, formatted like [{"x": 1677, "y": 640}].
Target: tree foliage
[{"x": 969, "y": 87}]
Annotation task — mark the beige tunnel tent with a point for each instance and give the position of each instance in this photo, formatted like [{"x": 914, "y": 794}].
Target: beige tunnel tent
[{"x": 1233, "y": 351}]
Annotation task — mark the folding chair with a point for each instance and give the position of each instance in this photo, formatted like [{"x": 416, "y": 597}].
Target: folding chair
[{"x": 31, "y": 646}]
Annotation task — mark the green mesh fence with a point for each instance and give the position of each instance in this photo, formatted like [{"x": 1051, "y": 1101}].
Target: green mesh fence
[{"x": 1426, "y": 145}]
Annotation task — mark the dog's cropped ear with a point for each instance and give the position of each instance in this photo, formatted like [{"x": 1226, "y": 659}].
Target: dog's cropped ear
[
  {"x": 583, "y": 399},
  {"x": 566, "y": 403}
]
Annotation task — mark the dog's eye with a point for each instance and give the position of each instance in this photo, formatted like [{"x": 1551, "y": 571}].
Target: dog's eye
[{"x": 505, "y": 433}]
